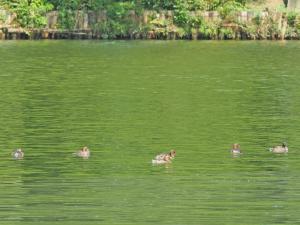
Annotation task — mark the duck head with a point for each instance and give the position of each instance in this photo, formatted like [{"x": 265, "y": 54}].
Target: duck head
[
  {"x": 172, "y": 153},
  {"x": 84, "y": 152},
  {"x": 85, "y": 149},
  {"x": 236, "y": 146},
  {"x": 284, "y": 144}
]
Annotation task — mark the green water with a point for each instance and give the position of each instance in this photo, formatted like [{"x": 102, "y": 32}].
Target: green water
[{"x": 128, "y": 101}]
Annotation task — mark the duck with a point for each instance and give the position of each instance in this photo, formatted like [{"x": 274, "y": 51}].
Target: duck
[
  {"x": 18, "y": 154},
  {"x": 84, "y": 153},
  {"x": 280, "y": 148},
  {"x": 236, "y": 148},
  {"x": 164, "y": 158}
]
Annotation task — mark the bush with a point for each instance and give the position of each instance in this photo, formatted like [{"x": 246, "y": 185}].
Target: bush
[
  {"x": 229, "y": 8},
  {"x": 30, "y": 13},
  {"x": 291, "y": 18},
  {"x": 210, "y": 29}
]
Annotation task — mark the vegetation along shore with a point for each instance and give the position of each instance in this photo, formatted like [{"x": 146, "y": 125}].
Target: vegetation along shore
[{"x": 150, "y": 19}]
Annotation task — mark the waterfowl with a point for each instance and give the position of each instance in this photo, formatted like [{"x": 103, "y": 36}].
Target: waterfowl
[
  {"x": 280, "y": 148},
  {"x": 17, "y": 154},
  {"x": 164, "y": 157},
  {"x": 236, "y": 148},
  {"x": 84, "y": 152}
]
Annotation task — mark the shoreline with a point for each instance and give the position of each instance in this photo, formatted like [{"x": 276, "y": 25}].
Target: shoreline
[
  {"x": 160, "y": 25},
  {"x": 73, "y": 35},
  {"x": 53, "y": 34}
]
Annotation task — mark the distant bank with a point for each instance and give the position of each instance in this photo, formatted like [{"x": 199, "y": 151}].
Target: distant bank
[{"x": 163, "y": 25}]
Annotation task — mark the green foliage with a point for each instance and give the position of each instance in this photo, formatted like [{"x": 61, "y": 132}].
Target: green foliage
[
  {"x": 212, "y": 4},
  {"x": 297, "y": 22},
  {"x": 159, "y": 4},
  {"x": 118, "y": 10},
  {"x": 226, "y": 33},
  {"x": 229, "y": 8},
  {"x": 67, "y": 11},
  {"x": 197, "y": 5},
  {"x": 79, "y": 4},
  {"x": 119, "y": 22},
  {"x": 250, "y": 30},
  {"x": 257, "y": 19},
  {"x": 182, "y": 9},
  {"x": 190, "y": 5},
  {"x": 210, "y": 29},
  {"x": 181, "y": 13},
  {"x": 293, "y": 28},
  {"x": 291, "y": 18},
  {"x": 123, "y": 19},
  {"x": 264, "y": 25},
  {"x": 2, "y": 18},
  {"x": 160, "y": 22},
  {"x": 181, "y": 32},
  {"x": 115, "y": 29},
  {"x": 112, "y": 29},
  {"x": 66, "y": 19},
  {"x": 30, "y": 13}
]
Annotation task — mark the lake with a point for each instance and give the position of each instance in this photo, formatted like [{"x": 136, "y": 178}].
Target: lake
[{"x": 130, "y": 100}]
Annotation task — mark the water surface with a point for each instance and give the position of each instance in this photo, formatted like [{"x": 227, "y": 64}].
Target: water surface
[{"x": 129, "y": 100}]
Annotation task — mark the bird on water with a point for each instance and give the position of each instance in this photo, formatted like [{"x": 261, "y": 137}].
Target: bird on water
[
  {"x": 164, "y": 157},
  {"x": 18, "y": 154},
  {"x": 83, "y": 153},
  {"x": 283, "y": 148},
  {"x": 236, "y": 148}
]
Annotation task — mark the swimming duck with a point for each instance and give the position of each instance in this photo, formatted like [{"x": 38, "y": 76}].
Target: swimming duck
[
  {"x": 84, "y": 153},
  {"x": 17, "y": 154},
  {"x": 164, "y": 157},
  {"x": 280, "y": 148},
  {"x": 236, "y": 149}
]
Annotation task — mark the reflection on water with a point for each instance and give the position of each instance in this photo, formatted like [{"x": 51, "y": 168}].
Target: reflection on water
[{"x": 128, "y": 101}]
